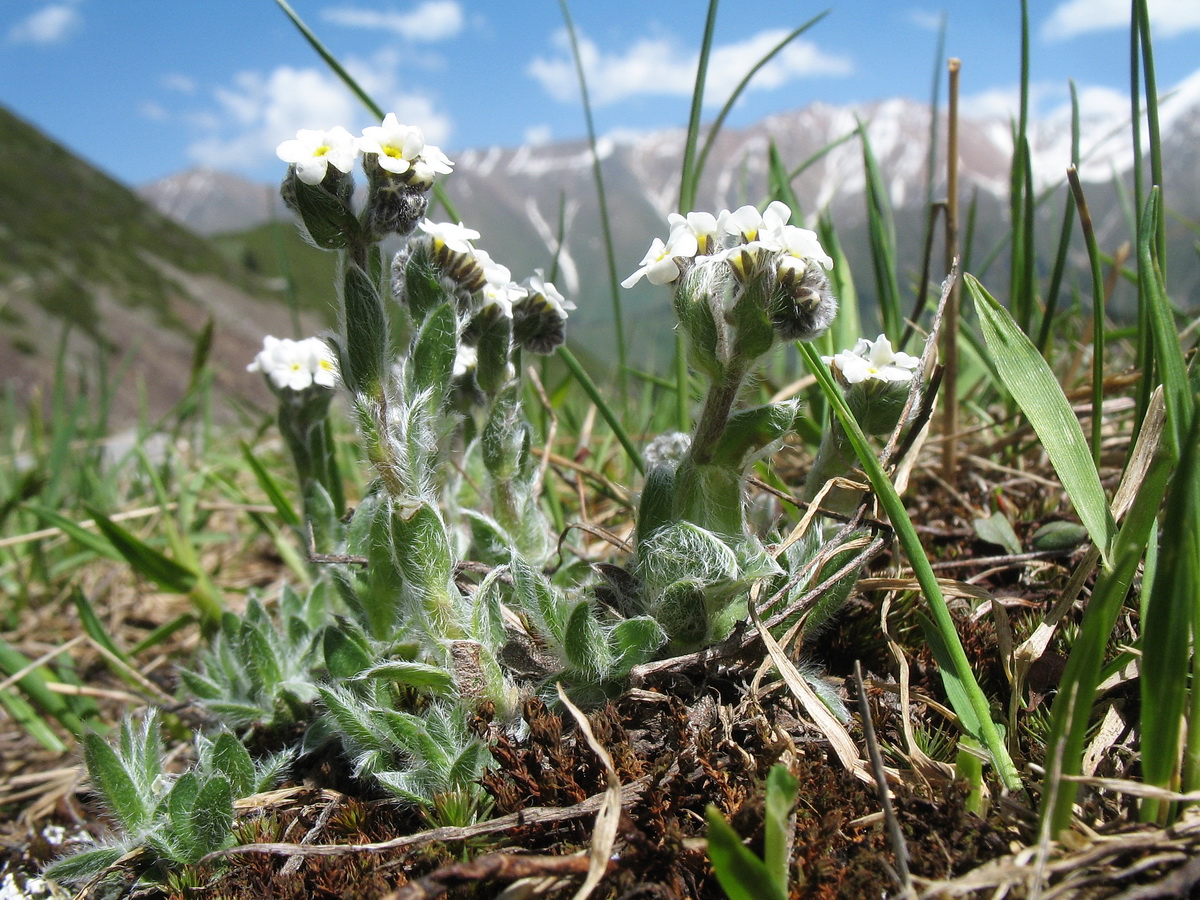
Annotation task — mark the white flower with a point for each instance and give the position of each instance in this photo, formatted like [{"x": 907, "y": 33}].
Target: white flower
[
  {"x": 800, "y": 245},
  {"x": 313, "y": 152},
  {"x": 431, "y": 162},
  {"x": 540, "y": 287},
  {"x": 659, "y": 265},
  {"x": 296, "y": 365},
  {"x": 396, "y": 145},
  {"x": 465, "y": 360},
  {"x": 751, "y": 226},
  {"x": 873, "y": 360},
  {"x": 701, "y": 225},
  {"x": 499, "y": 289},
  {"x": 456, "y": 238}
]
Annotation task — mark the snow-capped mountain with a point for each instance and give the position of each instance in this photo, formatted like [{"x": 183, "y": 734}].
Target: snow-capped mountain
[{"x": 522, "y": 198}]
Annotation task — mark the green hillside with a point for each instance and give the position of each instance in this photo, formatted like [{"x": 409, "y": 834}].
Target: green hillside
[{"x": 85, "y": 257}]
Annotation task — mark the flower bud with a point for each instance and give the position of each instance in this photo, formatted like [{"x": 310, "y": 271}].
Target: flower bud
[
  {"x": 803, "y": 306},
  {"x": 540, "y": 317}
]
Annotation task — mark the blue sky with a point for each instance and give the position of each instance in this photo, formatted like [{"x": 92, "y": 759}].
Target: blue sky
[{"x": 146, "y": 89}]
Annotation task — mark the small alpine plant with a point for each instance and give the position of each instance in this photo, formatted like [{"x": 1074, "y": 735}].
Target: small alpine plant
[{"x": 436, "y": 603}]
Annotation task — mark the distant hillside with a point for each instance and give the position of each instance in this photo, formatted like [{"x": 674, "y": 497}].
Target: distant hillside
[{"x": 84, "y": 253}]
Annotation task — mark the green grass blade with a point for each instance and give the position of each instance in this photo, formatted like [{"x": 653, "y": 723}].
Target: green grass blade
[
  {"x": 1064, "y": 237},
  {"x": 606, "y": 411},
  {"x": 1077, "y": 689},
  {"x": 614, "y": 280},
  {"x": 145, "y": 560},
  {"x": 781, "y": 797},
  {"x": 715, "y": 129},
  {"x": 35, "y": 682},
  {"x": 689, "y": 179},
  {"x": 741, "y": 874},
  {"x": 957, "y": 664},
  {"x": 1142, "y": 14},
  {"x": 1032, "y": 384},
  {"x": 1168, "y": 619},
  {"x": 35, "y": 726},
  {"x": 1098, "y": 311},
  {"x": 92, "y": 624},
  {"x": 1167, "y": 350},
  {"x": 271, "y": 487},
  {"x": 881, "y": 229},
  {"x": 76, "y": 532}
]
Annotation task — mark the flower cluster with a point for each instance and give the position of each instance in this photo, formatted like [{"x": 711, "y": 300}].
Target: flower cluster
[
  {"x": 296, "y": 365},
  {"x": 741, "y": 238},
  {"x": 536, "y": 308},
  {"x": 398, "y": 149},
  {"x": 873, "y": 360},
  {"x": 742, "y": 280}
]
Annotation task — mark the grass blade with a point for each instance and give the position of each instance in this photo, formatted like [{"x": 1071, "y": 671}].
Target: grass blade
[
  {"x": 715, "y": 128},
  {"x": 1036, "y": 390},
  {"x": 977, "y": 706},
  {"x": 881, "y": 229},
  {"x": 154, "y": 565},
  {"x": 605, "y": 225},
  {"x": 1168, "y": 619}
]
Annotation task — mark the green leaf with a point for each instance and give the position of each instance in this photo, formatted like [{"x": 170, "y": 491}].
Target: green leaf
[
  {"x": 259, "y": 657},
  {"x": 422, "y": 676},
  {"x": 330, "y": 224},
  {"x": 176, "y": 838},
  {"x": 996, "y": 529},
  {"x": 583, "y": 641},
  {"x": 634, "y": 642},
  {"x": 212, "y": 818},
  {"x": 750, "y": 430},
  {"x": 742, "y": 875},
  {"x": 84, "y": 865},
  {"x": 432, "y": 359},
  {"x": 114, "y": 782},
  {"x": 232, "y": 760},
  {"x": 146, "y": 561},
  {"x": 365, "y": 331},
  {"x": 781, "y": 797},
  {"x": 346, "y": 654},
  {"x": 1035, "y": 389}
]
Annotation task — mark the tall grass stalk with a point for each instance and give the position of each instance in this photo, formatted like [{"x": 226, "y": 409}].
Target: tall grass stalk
[
  {"x": 1098, "y": 309},
  {"x": 950, "y": 330},
  {"x": 605, "y": 224}
]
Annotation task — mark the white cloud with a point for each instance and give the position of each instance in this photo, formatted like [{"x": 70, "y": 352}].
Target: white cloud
[
  {"x": 155, "y": 112},
  {"x": 1075, "y": 17},
  {"x": 51, "y": 24},
  {"x": 537, "y": 135},
  {"x": 259, "y": 110},
  {"x": 926, "y": 20},
  {"x": 176, "y": 81},
  {"x": 433, "y": 20},
  {"x": 658, "y": 66}
]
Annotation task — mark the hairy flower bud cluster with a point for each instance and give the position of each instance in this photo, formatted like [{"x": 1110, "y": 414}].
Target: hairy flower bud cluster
[
  {"x": 399, "y": 165},
  {"x": 759, "y": 252},
  {"x": 536, "y": 309}
]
